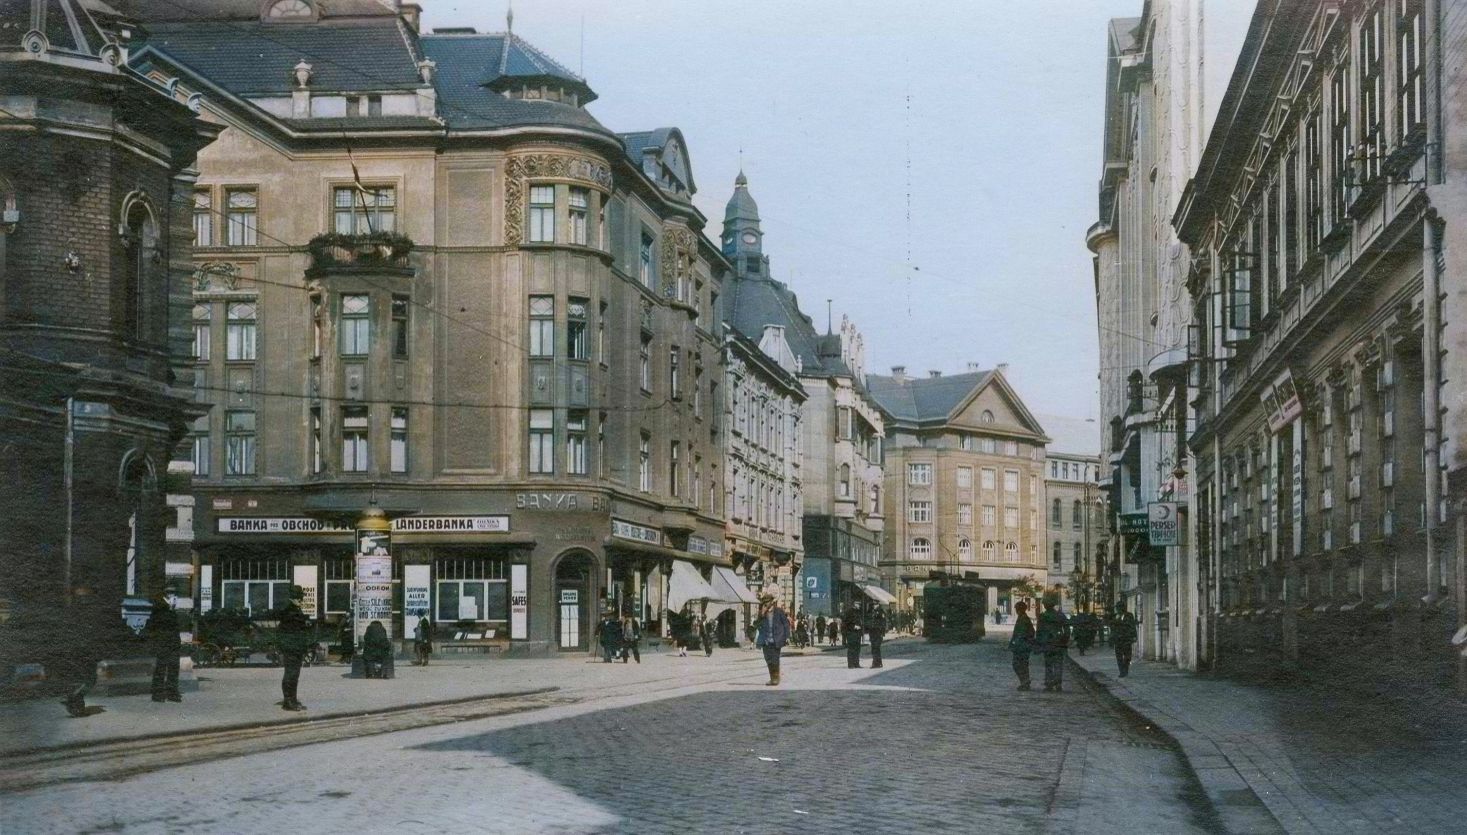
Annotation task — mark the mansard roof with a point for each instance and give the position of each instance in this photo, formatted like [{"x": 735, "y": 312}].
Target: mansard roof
[
  {"x": 469, "y": 65},
  {"x": 756, "y": 302}
]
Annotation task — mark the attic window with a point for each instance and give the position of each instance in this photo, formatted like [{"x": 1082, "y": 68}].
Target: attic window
[
  {"x": 987, "y": 416},
  {"x": 290, "y": 10}
]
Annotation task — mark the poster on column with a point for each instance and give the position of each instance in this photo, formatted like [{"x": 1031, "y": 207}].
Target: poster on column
[
  {"x": 374, "y": 593},
  {"x": 206, "y": 588}
]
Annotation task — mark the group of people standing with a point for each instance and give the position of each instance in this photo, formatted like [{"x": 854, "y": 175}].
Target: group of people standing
[
  {"x": 1051, "y": 637},
  {"x": 620, "y": 638}
]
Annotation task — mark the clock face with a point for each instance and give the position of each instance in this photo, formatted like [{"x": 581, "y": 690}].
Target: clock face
[{"x": 750, "y": 238}]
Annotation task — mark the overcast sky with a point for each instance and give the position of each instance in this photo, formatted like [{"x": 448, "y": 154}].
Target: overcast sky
[{"x": 959, "y": 136}]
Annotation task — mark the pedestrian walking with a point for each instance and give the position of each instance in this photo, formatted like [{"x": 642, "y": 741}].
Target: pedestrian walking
[
  {"x": 1021, "y": 644},
  {"x": 832, "y": 631},
  {"x": 819, "y": 629},
  {"x": 297, "y": 633},
  {"x": 160, "y": 633},
  {"x": 608, "y": 633},
  {"x": 850, "y": 624},
  {"x": 773, "y": 633},
  {"x": 85, "y": 635},
  {"x": 876, "y": 633},
  {"x": 802, "y": 633},
  {"x": 1052, "y": 636},
  {"x": 1122, "y": 637},
  {"x": 631, "y": 639},
  {"x": 422, "y": 641},
  {"x": 376, "y": 650},
  {"x": 705, "y": 634}
]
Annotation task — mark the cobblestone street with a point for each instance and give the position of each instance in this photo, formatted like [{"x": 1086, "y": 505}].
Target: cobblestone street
[{"x": 938, "y": 741}]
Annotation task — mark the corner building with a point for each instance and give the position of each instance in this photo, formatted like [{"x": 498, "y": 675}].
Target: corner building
[{"x": 429, "y": 282}]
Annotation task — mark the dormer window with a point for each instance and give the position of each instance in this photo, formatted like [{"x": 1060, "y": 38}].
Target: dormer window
[
  {"x": 363, "y": 105},
  {"x": 290, "y": 10}
]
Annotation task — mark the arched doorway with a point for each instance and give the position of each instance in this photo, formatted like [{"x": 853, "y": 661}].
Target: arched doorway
[{"x": 573, "y": 599}]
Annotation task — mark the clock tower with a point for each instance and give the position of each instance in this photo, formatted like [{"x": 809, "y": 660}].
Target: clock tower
[{"x": 743, "y": 240}]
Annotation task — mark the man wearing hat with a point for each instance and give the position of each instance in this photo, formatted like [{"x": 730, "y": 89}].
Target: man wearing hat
[
  {"x": 774, "y": 633},
  {"x": 161, "y": 634},
  {"x": 296, "y": 635}
]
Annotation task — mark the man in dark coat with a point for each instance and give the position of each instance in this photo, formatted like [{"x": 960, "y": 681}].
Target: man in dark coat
[
  {"x": 296, "y": 634},
  {"x": 1021, "y": 644},
  {"x": 161, "y": 635},
  {"x": 850, "y": 624},
  {"x": 609, "y": 635},
  {"x": 876, "y": 632},
  {"x": 1052, "y": 636},
  {"x": 87, "y": 632},
  {"x": 1122, "y": 637},
  {"x": 705, "y": 634},
  {"x": 819, "y": 629},
  {"x": 773, "y": 633}
]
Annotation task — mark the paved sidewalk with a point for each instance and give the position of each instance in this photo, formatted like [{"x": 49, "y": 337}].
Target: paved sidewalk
[
  {"x": 229, "y": 697},
  {"x": 1318, "y": 759}
]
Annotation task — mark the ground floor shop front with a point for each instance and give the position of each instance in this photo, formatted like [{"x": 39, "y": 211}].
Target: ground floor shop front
[{"x": 514, "y": 572}]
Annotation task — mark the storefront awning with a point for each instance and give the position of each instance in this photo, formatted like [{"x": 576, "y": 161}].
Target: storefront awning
[
  {"x": 687, "y": 584},
  {"x": 879, "y": 594},
  {"x": 730, "y": 587}
]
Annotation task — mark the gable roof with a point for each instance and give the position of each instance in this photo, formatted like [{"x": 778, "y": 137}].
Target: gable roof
[{"x": 922, "y": 399}]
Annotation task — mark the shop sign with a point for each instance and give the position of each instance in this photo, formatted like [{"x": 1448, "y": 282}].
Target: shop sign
[
  {"x": 1297, "y": 486},
  {"x": 754, "y": 573},
  {"x": 570, "y": 596},
  {"x": 519, "y": 602},
  {"x": 276, "y": 524},
  {"x": 1163, "y": 524},
  {"x": 1134, "y": 524},
  {"x": 639, "y": 533},
  {"x": 817, "y": 586},
  {"x": 1281, "y": 402},
  {"x": 697, "y": 545},
  {"x": 415, "y": 595},
  {"x": 224, "y": 504},
  {"x": 451, "y": 524},
  {"x": 178, "y": 569},
  {"x": 559, "y": 501}
]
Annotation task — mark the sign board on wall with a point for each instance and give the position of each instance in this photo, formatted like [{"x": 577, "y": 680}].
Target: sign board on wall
[
  {"x": 206, "y": 588},
  {"x": 639, "y": 533},
  {"x": 1297, "y": 488},
  {"x": 405, "y": 524},
  {"x": 1281, "y": 402},
  {"x": 305, "y": 577},
  {"x": 519, "y": 602},
  {"x": 817, "y": 586},
  {"x": 1163, "y": 524},
  {"x": 1134, "y": 524},
  {"x": 416, "y": 594}
]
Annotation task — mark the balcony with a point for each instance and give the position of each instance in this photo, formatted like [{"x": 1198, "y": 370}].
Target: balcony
[{"x": 378, "y": 252}]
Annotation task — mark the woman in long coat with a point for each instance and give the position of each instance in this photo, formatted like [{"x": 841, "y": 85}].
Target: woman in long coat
[{"x": 376, "y": 649}]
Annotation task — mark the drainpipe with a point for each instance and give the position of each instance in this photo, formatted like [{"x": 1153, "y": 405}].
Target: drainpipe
[
  {"x": 1431, "y": 337},
  {"x": 68, "y": 453}
]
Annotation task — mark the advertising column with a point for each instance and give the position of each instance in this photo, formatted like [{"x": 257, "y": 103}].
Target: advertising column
[{"x": 373, "y": 603}]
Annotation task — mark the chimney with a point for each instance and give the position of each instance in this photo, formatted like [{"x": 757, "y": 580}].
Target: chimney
[
  {"x": 1003, "y": 366},
  {"x": 934, "y": 374},
  {"x": 972, "y": 367},
  {"x": 899, "y": 372}
]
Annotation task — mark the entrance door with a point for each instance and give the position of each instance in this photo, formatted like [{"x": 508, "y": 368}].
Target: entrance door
[{"x": 573, "y": 596}]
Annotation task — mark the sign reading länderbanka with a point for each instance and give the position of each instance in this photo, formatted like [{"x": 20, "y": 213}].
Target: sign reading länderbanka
[{"x": 1163, "y": 525}]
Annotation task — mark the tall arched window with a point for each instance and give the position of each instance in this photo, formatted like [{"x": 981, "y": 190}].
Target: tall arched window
[
  {"x": 139, "y": 241},
  {"x": 965, "y": 550},
  {"x": 1011, "y": 552},
  {"x": 875, "y": 500},
  {"x": 845, "y": 481},
  {"x": 1057, "y": 547},
  {"x": 1079, "y": 557},
  {"x": 1056, "y": 514},
  {"x": 1078, "y": 512},
  {"x": 921, "y": 549},
  {"x": 988, "y": 550}
]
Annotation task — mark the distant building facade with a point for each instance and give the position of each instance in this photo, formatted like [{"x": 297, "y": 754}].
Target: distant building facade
[
  {"x": 1152, "y": 141},
  {"x": 841, "y": 428},
  {"x": 964, "y": 483},
  {"x": 429, "y": 283},
  {"x": 763, "y": 470},
  {"x": 94, "y": 281},
  {"x": 1077, "y": 551}
]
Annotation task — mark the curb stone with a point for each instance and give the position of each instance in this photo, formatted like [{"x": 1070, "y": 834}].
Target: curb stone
[{"x": 1237, "y": 806}]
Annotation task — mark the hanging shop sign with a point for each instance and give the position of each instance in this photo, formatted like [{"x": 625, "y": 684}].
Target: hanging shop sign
[
  {"x": 1134, "y": 524},
  {"x": 1281, "y": 402},
  {"x": 1163, "y": 524}
]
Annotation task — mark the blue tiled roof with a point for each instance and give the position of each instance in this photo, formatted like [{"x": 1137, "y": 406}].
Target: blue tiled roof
[
  {"x": 465, "y": 64},
  {"x": 919, "y": 399},
  {"x": 757, "y": 302}
]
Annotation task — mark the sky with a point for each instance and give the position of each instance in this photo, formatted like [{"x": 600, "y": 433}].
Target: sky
[{"x": 930, "y": 167}]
